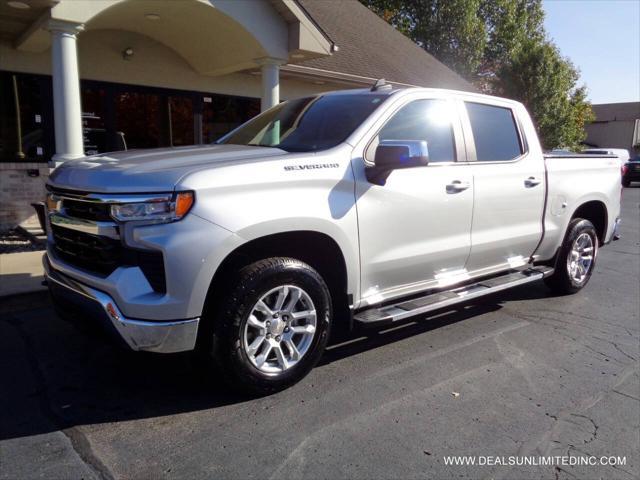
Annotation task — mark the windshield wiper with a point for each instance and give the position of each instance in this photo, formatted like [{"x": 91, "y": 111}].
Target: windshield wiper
[
  {"x": 298, "y": 148},
  {"x": 259, "y": 145}
]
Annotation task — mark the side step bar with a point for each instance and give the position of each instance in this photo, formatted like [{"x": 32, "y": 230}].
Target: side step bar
[{"x": 379, "y": 316}]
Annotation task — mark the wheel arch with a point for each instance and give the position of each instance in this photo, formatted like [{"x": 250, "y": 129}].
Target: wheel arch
[
  {"x": 596, "y": 212},
  {"x": 317, "y": 249}
]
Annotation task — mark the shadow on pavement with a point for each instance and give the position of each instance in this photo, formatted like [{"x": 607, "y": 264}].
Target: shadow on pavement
[{"x": 55, "y": 377}]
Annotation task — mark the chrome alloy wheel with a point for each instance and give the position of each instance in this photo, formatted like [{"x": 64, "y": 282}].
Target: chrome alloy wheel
[
  {"x": 580, "y": 258},
  {"x": 280, "y": 329}
]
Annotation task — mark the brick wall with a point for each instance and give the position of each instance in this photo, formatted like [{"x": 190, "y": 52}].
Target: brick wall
[{"x": 18, "y": 190}]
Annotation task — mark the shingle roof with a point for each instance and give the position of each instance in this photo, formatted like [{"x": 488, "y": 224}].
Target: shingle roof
[
  {"x": 370, "y": 47},
  {"x": 607, "y": 112}
]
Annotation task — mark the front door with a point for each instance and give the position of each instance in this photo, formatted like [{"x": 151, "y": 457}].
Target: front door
[{"x": 415, "y": 229}]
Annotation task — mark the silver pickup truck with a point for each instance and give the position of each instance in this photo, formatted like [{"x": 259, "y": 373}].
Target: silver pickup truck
[{"x": 360, "y": 207}]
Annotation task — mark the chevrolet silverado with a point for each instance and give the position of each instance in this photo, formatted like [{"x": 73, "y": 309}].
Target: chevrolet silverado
[{"x": 360, "y": 207}]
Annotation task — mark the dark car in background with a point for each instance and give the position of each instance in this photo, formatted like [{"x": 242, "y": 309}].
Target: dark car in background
[{"x": 631, "y": 171}]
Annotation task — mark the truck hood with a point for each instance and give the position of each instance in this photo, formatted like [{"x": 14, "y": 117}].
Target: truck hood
[{"x": 154, "y": 170}]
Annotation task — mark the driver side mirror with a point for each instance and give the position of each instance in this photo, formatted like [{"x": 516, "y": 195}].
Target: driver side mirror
[{"x": 396, "y": 154}]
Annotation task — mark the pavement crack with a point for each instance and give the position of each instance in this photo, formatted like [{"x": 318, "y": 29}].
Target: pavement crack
[
  {"x": 626, "y": 395},
  {"x": 617, "y": 467},
  {"x": 545, "y": 441},
  {"x": 82, "y": 447},
  {"x": 604, "y": 354},
  {"x": 77, "y": 439},
  {"x": 594, "y": 435},
  {"x": 559, "y": 469},
  {"x": 617, "y": 347}
]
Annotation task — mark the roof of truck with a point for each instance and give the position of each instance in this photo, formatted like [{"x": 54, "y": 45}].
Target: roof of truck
[{"x": 408, "y": 90}]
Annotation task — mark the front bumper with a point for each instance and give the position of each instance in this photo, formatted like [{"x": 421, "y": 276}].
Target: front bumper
[{"x": 161, "y": 336}]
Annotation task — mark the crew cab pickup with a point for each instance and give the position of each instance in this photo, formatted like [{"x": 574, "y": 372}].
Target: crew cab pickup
[{"x": 361, "y": 208}]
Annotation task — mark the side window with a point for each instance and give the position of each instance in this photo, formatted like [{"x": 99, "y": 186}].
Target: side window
[
  {"x": 428, "y": 120},
  {"x": 494, "y": 132}
]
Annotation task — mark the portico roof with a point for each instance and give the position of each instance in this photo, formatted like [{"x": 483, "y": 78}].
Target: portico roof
[
  {"x": 341, "y": 41},
  {"x": 371, "y": 48},
  {"x": 214, "y": 36}
]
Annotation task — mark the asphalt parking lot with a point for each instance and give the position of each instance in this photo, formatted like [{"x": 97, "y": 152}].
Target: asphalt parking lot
[{"x": 535, "y": 375}]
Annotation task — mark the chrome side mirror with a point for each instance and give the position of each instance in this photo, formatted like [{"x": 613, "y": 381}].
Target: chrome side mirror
[{"x": 397, "y": 154}]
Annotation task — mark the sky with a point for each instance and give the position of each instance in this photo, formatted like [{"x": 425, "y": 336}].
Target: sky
[{"x": 602, "y": 39}]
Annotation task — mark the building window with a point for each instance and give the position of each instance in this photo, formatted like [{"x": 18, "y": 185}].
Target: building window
[
  {"x": 138, "y": 118},
  {"x": 26, "y": 129},
  {"x": 181, "y": 121},
  {"x": 114, "y": 117},
  {"x": 118, "y": 117},
  {"x": 221, "y": 114},
  {"x": 93, "y": 120}
]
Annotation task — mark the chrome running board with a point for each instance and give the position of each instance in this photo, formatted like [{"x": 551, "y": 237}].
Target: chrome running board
[{"x": 377, "y": 316}]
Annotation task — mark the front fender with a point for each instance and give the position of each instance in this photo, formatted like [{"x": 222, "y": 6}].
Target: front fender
[
  {"x": 255, "y": 200},
  {"x": 346, "y": 240}
]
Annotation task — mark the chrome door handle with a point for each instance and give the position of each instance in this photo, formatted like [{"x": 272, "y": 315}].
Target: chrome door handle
[
  {"x": 531, "y": 182},
  {"x": 457, "y": 186}
]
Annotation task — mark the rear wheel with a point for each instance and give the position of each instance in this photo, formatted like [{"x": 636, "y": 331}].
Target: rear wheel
[
  {"x": 272, "y": 327},
  {"x": 576, "y": 258}
]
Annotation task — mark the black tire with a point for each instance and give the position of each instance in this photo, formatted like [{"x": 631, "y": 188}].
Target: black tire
[
  {"x": 561, "y": 281},
  {"x": 234, "y": 308}
]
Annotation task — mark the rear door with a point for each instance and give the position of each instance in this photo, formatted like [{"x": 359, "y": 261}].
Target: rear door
[{"x": 509, "y": 188}]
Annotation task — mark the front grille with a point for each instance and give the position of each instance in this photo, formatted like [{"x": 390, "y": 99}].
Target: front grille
[
  {"x": 89, "y": 252},
  {"x": 102, "y": 255},
  {"x": 98, "y": 212},
  {"x": 75, "y": 205}
]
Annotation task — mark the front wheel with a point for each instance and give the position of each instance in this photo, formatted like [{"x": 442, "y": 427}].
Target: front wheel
[
  {"x": 273, "y": 326},
  {"x": 576, "y": 258}
]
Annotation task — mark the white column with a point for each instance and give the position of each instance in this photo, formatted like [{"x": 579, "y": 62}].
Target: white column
[
  {"x": 66, "y": 90},
  {"x": 270, "y": 82}
]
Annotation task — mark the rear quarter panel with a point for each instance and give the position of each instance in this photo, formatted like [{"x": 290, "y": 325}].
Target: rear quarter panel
[{"x": 572, "y": 182}]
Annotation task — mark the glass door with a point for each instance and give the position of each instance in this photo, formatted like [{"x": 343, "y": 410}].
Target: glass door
[
  {"x": 181, "y": 121},
  {"x": 124, "y": 117},
  {"x": 139, "y": 119}
]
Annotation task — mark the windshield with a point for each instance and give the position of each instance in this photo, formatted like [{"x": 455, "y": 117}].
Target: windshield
[{"x": 307, "y": 124}]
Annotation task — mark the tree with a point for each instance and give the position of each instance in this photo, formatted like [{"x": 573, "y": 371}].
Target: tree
[
  {"x": 502, "y": 48},
  {"x": 450, "y": 30},
  {"x": 509, "y": 24},
  {"x": 539, "y": 77}
]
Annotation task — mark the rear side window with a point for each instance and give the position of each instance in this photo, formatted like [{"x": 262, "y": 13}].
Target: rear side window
[{"x": 494, "y": 132}]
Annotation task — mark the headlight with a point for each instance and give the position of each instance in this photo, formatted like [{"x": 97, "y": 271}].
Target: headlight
[{"x": 162, "y": 210}]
